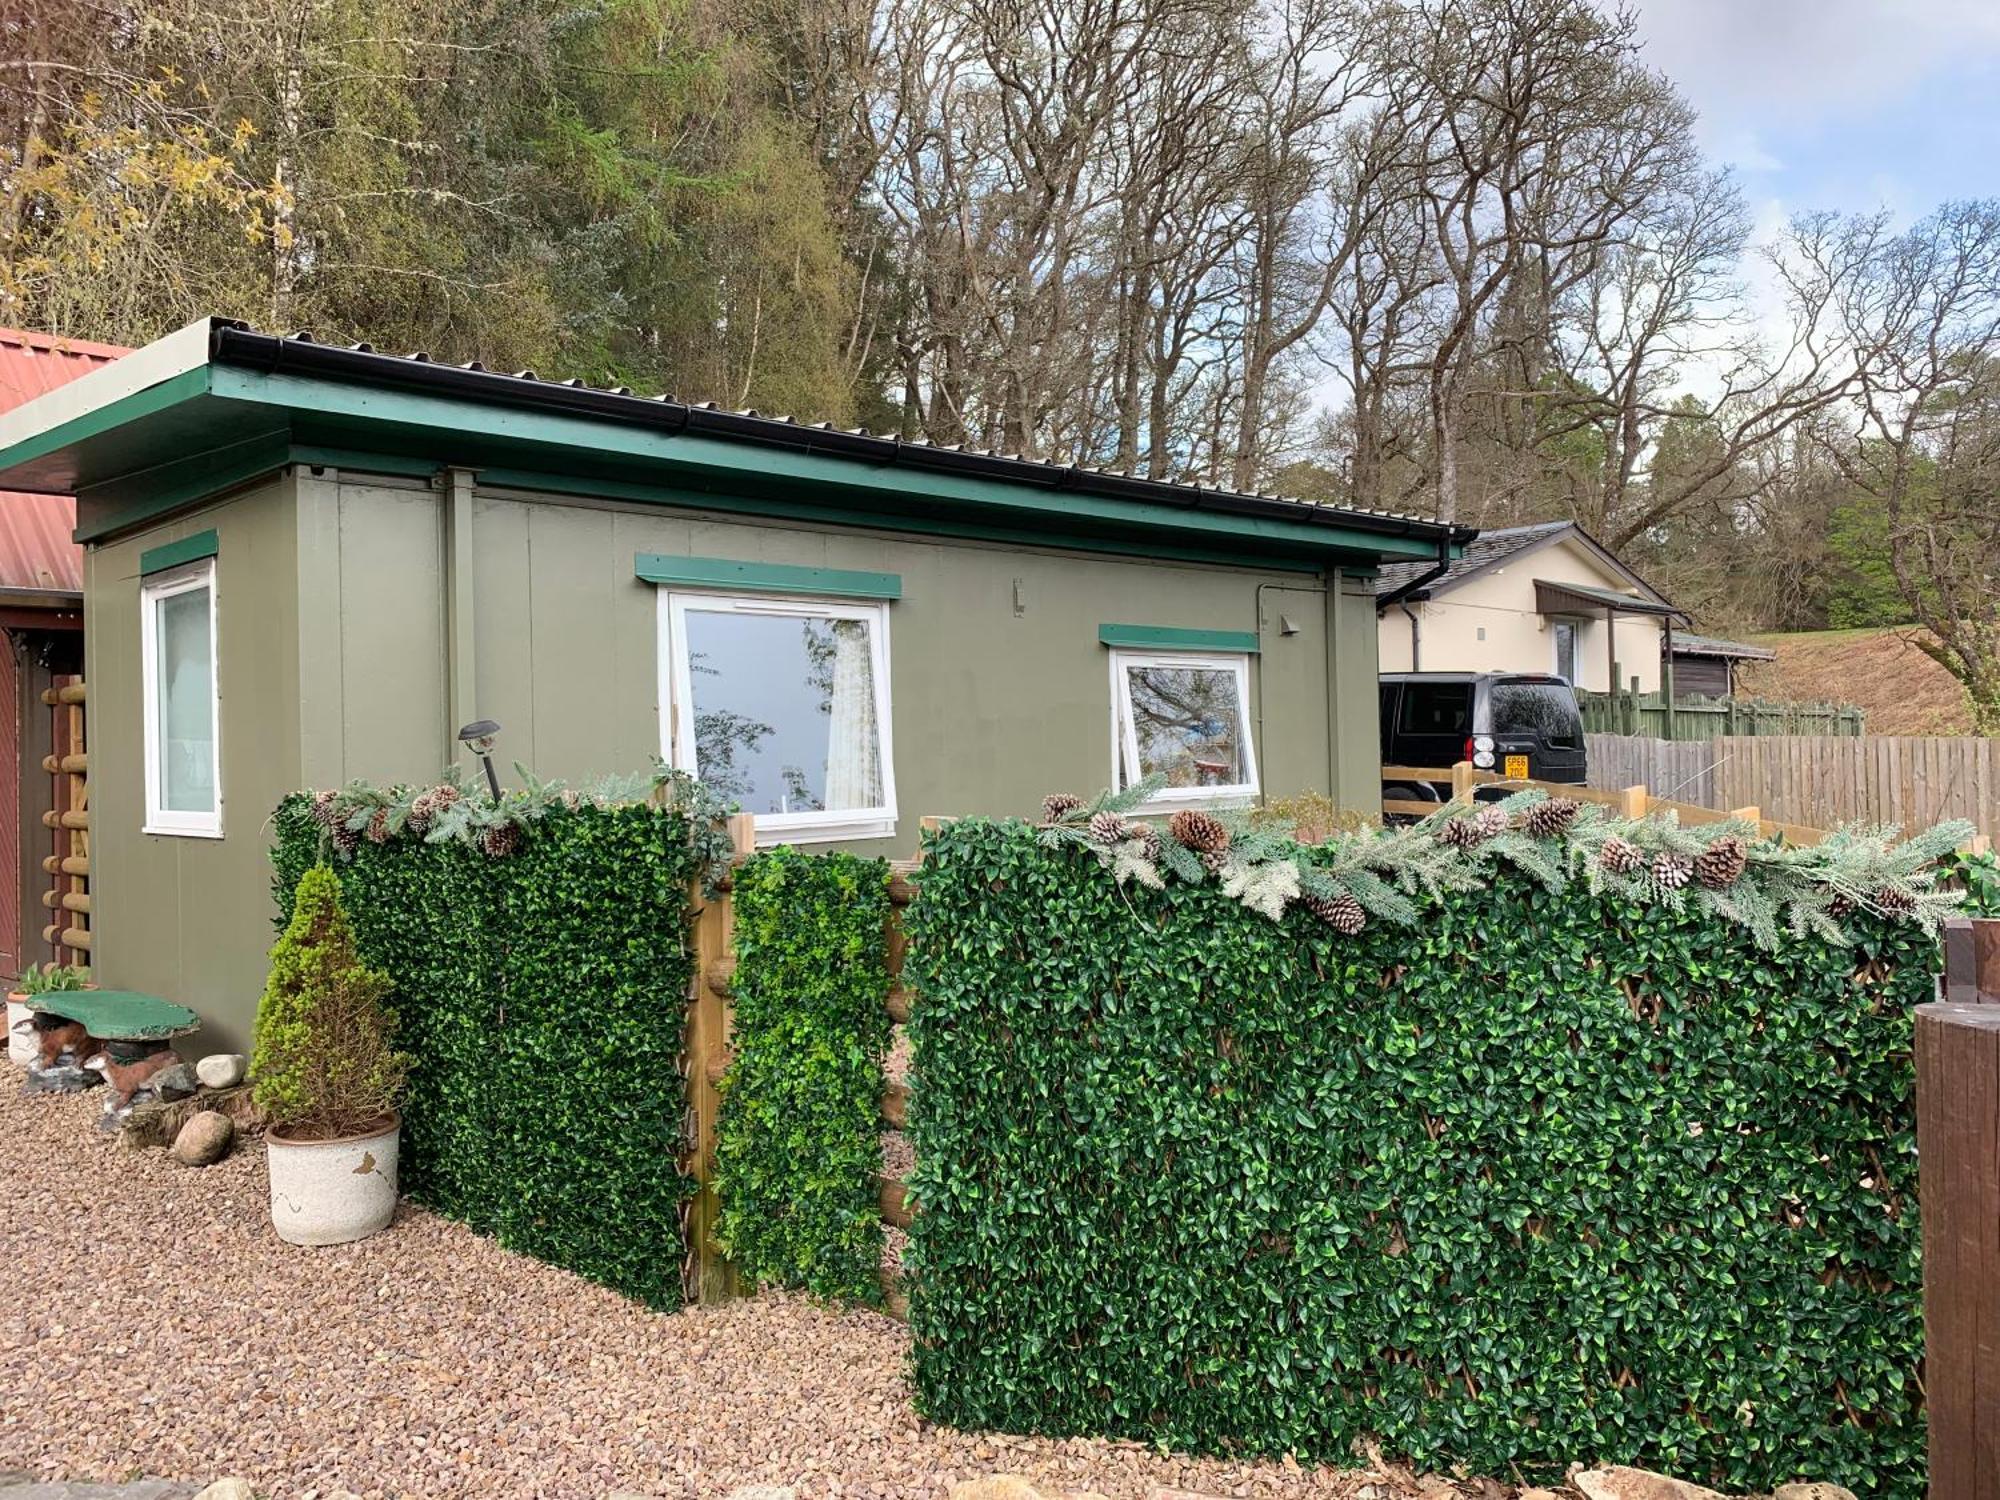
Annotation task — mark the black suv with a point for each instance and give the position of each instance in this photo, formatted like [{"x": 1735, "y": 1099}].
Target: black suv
[{"x": 1514, "y": 723}]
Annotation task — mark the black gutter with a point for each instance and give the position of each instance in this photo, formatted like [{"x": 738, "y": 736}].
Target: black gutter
[
  {"x": 234, "y": 344},
  {"x": 1423, "y": 581}
]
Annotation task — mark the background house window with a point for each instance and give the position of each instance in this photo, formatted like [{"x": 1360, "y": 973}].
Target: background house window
[
  {"x": 182, "y": 710},
  {"x": 1565, "y": 631},
  {"x": 1187, "y": 717},
  {"x": 782, "y": 705}
]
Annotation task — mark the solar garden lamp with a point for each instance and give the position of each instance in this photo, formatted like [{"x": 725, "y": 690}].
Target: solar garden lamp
[{"x": 479, "y": 737}]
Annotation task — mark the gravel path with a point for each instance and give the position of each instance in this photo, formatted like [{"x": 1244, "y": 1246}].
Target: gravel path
[{"x": 154, "y": 1325}]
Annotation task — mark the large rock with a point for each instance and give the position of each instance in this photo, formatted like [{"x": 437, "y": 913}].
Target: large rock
[
  {"x": 1818, "y": 1491},
  {"x": 204, "y": 1140},
  {"x": 1620, "y": 1483},
  {"x": 220, "y": 1070},
  {"x": 227, "y": 1489}
]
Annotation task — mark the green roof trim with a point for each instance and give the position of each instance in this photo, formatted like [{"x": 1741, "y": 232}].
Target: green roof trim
[
  {"x": 767, "y": 578},
  {"x": 172, "y": 554},
  {"x": 1174, "y": 638}
]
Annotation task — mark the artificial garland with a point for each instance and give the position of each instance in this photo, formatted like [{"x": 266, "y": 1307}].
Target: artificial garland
[
  {"x": 453, "y": 810},
  {"x": 1725, "y": 867}
]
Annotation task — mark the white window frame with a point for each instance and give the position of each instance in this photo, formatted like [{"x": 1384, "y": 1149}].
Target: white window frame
[
  {"x": 1556, "y": 627},
  {"x": 152, "y": 592},
  {"x": 1125, "y": 738},
  {"x": 677, "y": 695}
]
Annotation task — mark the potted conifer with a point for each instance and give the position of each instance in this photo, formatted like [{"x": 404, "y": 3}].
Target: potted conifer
[{"x": 326, "y": 1077}]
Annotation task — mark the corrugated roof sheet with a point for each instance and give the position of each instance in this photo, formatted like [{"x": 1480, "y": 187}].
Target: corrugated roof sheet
[{"x": 36, "y": 551}]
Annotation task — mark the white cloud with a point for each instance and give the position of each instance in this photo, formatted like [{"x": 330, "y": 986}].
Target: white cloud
[{"x": 1749, "y": 62}]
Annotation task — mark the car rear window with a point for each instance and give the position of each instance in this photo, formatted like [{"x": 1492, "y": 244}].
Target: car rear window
[
  {"x": 1546, "y": 710},
  {"x": 1436, "y": 708}
]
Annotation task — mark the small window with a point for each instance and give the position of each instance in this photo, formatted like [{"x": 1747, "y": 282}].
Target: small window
[
  {"x": 1437, "y": 708},
  {"x": 1565, "y": 632},
  {"x": 182, "y": 709},
  {"x": 782, "y": 706},
  {"x": 1186, "y": 717}
]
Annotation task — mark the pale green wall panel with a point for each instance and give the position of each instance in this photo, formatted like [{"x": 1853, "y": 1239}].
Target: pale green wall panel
[
  {"x": 190, "y": 918},
  {"x": 1291, "y": 669},
  {"x": 392, "y": 633}
]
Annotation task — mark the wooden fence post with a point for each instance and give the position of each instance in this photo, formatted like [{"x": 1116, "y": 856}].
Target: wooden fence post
[
  {"x": 1958, "y": 1141},
  {"x": 707, "y": 1060},
  {"x": 1632, "y": 802},
  {"x": 1461, "y": 781}
]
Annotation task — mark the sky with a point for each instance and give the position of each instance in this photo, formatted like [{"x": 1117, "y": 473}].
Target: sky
[{"x": 1845, "y": 104}]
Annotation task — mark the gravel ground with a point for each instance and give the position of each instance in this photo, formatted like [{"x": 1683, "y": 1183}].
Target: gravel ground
[{"x": 156, "y": 1326}]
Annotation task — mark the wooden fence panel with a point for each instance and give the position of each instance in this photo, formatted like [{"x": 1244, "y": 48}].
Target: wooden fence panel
[{"x": 1819, "y": 780}]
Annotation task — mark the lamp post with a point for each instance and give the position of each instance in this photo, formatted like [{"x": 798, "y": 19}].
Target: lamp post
[{"x": 479, "y": 737}]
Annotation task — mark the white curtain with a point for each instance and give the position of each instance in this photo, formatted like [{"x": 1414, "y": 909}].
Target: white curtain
[{"x": 853, "y": 758}]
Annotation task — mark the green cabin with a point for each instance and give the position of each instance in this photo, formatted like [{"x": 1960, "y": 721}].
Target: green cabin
[{"x": 308, "y": 563}]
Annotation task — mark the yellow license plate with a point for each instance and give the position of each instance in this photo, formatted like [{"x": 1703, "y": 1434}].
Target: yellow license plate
[{"x": 1517, "y": 767}]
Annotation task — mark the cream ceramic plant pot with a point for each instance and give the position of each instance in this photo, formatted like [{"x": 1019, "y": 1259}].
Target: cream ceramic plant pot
[
  {"x": 330, "y": 1192},
  {"x": 20, "y": 1039}
]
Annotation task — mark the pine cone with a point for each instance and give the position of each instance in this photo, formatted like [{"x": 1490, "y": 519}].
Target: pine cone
[
  {"x": 1107, "y": 827},
  {"x": 1551, "y": 819},
  {"x": 1460, "y": 833},
  {"x": 444, "y": 794},
  {"x": 1722, "y": 863},
  {"x": 345, "y": 842},
  {"x": 1148, "y": 839},
  {"x": 1672, "y": 871},
  {"x": 1894, "y": 901},
  {"x": 1059, "y": 805},
  {"x": 324, "y": 812},
  {"x": 1489, "y": 821},
  {"x": 1620, "y": 857},
  {"x": 423, "y": 808},
  {"x": 1840, "y": 906},
  {"x": 378, "y": 826},
  {"x": 1215, "y": 861},
  {"x": 1198, "y": 831},
  {"x": 500, "y": 839},
  {"x": 1341, "y": 912}
]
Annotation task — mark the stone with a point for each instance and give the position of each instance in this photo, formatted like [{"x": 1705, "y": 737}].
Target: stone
[
  {"x": 996, "y": 1487},
  {"x": 227, "y": 1489},
  {"x": 221, "y": 1070},
  {"x": 1820, "y": 1490},
  {"x": 1620, "y": 1483},
  {"x": 204, "y": 1140},
  {"x": 763, "y": 1492},
  {"x": 1535, "y": 1494},
  {"x": 175, "y": 1082}
]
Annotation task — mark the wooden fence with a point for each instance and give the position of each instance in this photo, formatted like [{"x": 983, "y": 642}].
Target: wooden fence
[
  {"x": 709, "y": 1276},
  {"x": 1628, "y": 711},
  {"x": 1634, "y": 801},
  {"x": 1818, "y": 779}
]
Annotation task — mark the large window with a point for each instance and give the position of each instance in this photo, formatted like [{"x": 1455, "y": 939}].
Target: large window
[
  {"x": 782, "y": 705},
  {"x": 182, "y": 712},
  {"x": 1186, "y": 716}
]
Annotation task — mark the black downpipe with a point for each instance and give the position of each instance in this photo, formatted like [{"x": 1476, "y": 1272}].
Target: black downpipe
[{"x": 1422, "y": 581}]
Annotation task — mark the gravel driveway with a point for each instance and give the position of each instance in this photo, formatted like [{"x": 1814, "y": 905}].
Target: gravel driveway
[{"x": 154, "y": 1325}]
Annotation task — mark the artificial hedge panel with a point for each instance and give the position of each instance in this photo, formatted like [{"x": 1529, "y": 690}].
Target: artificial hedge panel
[
  {"x": 798, "y": 1140},
  {"x": 542, "y": 997},
  {"x": 1546, "y": 1177}
]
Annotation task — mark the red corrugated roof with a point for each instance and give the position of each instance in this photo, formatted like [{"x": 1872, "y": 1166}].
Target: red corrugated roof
[{"x": 35, "y": 547}]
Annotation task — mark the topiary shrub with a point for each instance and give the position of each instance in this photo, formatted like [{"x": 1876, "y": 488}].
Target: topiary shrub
[
  {"x": 323, "y": 1065},
  {"x": 799, "y": 1139},
  {"x": 1547, "y": 1175}
]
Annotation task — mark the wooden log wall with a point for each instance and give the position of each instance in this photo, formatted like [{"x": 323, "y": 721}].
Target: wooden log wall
[
  {"x": 68, "y": 896},
  {"x": 1958, "y": 1141}
]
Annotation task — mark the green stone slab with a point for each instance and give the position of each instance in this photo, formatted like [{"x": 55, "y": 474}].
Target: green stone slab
[{"x": 119, "y": 1015}]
